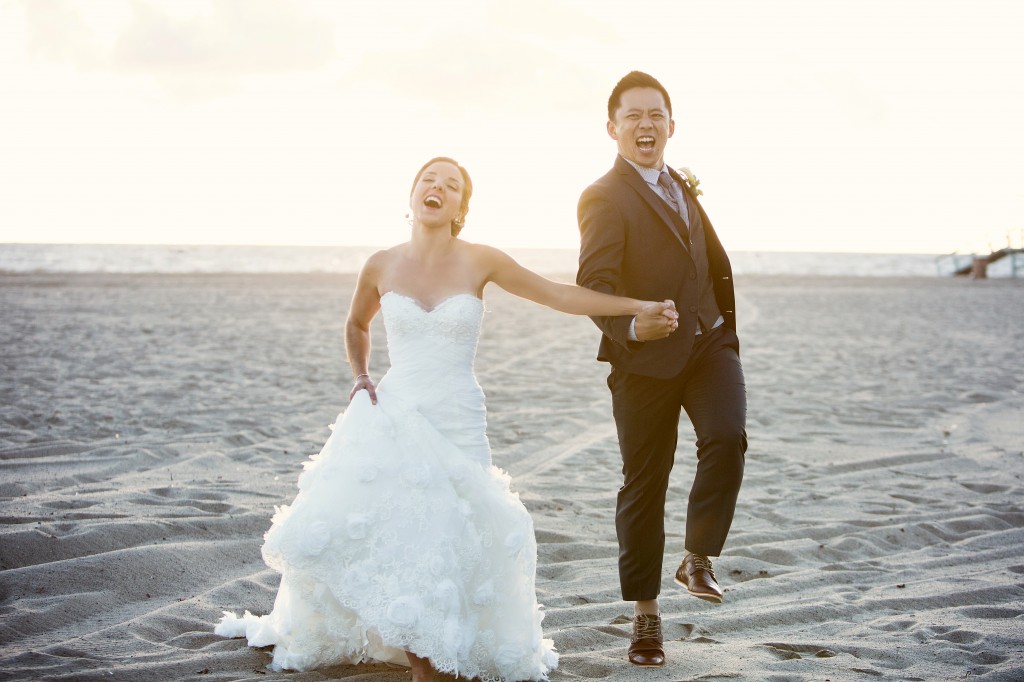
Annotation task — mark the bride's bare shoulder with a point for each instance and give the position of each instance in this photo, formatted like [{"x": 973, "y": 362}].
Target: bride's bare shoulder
[
  {"x": 378, "y": 266},
  {"x": 484, "y": 253},
  {"x": 385, "y": 257},
  {"x": 392, "y": 251}
]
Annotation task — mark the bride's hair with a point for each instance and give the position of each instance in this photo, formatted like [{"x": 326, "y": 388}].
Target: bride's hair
[{"x": 467, "y": 190}]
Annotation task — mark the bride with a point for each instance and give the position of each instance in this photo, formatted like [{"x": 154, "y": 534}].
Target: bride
[{"x": 404, "y": 543}]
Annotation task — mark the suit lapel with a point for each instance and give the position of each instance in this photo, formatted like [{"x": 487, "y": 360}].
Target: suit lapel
[{"x": 673, "y": 222}]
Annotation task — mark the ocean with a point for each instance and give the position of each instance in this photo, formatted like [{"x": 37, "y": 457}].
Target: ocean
[{"x": 146, "y": 258}]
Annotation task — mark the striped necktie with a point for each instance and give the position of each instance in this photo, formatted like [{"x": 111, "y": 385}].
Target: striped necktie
[{"x": 671, "y": 191}]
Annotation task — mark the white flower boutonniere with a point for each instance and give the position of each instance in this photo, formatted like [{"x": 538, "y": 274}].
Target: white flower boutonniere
[{"x": 691, "y": 180}]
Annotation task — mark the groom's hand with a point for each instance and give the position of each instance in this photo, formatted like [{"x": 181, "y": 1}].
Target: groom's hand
[{"x": 656, "y": 321}]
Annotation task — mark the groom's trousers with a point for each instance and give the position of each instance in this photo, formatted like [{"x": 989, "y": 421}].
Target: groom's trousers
[{"x": 712, "y": 391}]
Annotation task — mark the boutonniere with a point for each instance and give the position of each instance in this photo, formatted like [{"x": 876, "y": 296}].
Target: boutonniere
[{"x": 691, "y": 181}]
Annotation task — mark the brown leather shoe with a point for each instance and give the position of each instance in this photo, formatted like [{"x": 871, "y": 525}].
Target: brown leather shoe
[
  {"x": 645, "y": 647},
  {"x": 698, "y": 578}
]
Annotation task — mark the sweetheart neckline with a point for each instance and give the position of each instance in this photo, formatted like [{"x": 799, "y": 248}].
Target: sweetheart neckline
[{"x": 439, "y": 304}]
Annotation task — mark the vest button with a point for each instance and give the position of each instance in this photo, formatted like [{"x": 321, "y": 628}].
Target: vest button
[
  {"x": 693, "y": 275},
  {"x": 693, "y": 308}
]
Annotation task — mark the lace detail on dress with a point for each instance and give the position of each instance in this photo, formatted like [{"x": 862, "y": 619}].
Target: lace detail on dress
[{"x": 452, "y": 319}]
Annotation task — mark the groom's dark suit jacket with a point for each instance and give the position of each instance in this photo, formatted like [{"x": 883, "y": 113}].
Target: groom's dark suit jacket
[{"x": 629, "y": 247}]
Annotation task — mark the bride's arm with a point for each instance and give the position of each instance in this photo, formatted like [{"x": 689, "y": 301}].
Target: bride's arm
[
  {"x": 365, "y": 304},
  {"x": 504, "y": 271}
]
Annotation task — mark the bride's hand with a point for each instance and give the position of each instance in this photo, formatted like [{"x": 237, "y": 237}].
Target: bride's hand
[
  {"x": 364, "y": 381},
  {"x": 657, "y": 320}
]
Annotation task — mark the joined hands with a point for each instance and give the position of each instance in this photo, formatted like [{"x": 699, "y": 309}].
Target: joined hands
[{"x": 656, "y": 320}]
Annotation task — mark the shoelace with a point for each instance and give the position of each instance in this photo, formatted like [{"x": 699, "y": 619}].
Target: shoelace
[
  {"x": 703, "y": 563},
  {"x": 647, "y": 627}
]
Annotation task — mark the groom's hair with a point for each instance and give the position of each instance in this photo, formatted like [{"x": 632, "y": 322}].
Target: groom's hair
[{"x": 635, "y": 79}]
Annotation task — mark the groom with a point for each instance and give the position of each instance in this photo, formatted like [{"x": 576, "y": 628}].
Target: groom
[{"x": 644, "y": 235}]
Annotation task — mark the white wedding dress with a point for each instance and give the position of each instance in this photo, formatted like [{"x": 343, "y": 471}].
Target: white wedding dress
[{"x": 403, "y": 536}]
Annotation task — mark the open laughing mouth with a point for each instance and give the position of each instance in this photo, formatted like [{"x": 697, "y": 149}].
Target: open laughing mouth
[
  {"x": 432, "y": 201},
  {"x": 645, "y": 143}
]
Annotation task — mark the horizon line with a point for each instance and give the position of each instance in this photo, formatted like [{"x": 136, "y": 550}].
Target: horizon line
[{"x": 505, "y": 248}]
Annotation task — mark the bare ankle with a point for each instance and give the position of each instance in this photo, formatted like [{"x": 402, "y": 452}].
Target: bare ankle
[{"x": 422, "y": 670}]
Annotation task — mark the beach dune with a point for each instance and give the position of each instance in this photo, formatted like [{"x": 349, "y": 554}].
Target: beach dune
[{"x": 150, "y": 424}]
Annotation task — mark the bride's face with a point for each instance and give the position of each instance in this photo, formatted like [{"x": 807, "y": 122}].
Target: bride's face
[{"x": 436, "y": 197}]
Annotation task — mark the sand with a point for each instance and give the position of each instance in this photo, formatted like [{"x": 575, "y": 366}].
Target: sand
[{"x": 150, "y": 423}]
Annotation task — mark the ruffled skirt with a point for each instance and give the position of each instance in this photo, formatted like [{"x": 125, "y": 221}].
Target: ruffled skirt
[{"x": 400, "y": 541}]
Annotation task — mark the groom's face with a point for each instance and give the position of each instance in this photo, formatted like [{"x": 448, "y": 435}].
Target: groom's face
[{"x": 642, "y": 126}]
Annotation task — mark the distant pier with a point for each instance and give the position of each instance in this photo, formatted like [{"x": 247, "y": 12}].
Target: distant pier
[{"x": 976, "y": 266}]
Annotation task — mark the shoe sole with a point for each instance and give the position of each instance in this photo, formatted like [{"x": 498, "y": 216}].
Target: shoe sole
[{"x": 699, "y": 595}]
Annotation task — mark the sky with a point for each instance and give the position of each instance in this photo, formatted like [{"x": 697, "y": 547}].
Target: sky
[{"x": 892, "y": 126}]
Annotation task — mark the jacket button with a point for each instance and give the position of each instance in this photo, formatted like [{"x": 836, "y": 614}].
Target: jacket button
[
  {"x": 693, "y": 308},
  {"x": 693, "y": 275}
]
